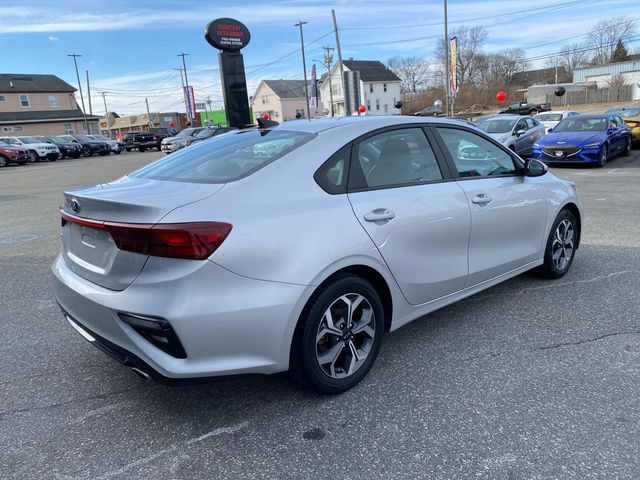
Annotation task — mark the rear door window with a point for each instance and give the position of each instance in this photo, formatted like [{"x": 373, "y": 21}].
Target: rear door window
[{"x": 225, "y": 158}]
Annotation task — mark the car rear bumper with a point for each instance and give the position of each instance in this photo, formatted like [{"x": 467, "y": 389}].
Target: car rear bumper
[{"x": 227, "y": 324}]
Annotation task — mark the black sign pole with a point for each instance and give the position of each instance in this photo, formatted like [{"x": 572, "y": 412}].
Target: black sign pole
[{"x": 230, "y": 36}]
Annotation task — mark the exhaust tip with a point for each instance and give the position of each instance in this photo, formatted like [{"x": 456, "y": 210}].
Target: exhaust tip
[{"x": 140, "y": 373}]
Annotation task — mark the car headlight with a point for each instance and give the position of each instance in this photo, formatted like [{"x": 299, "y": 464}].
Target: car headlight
[{"x": 592, "y": 145}]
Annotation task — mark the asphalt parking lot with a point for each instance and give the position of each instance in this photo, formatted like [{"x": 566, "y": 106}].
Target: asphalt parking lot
[{"x": 532, "y": 379}]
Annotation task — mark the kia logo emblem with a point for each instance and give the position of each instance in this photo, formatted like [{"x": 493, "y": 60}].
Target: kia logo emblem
[{"x": 75, "y": 206}]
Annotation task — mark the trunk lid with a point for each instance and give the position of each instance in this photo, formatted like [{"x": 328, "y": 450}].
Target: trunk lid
[{"x": 91, "y": 253}]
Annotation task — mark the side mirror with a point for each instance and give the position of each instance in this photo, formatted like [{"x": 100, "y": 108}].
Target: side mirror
[
  {"x": 549, "y": 130},
  {"x": 519, "y": 133},
  {"x": 535, "y": 168}
]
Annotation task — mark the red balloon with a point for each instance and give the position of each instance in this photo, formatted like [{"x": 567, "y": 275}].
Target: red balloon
[
  {"x": 172, "y": 124},
  {"x": 362, "y": 108},
  {"x": 265, "y": 116},
  {"x": 501, "y": 96}
]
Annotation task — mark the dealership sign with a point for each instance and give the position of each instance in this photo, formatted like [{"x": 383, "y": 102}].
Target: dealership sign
[{"x": 227, "y": 34}]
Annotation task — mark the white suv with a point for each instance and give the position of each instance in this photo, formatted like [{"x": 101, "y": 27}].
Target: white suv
[{"x": 37, "y": 149}]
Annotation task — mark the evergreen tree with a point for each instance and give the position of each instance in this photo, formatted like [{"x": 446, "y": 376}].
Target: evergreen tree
[{"x": 620, "y": 54}]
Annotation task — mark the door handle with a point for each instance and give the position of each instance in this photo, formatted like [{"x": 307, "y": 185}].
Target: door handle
[
  {"x": 481, "y": 199},
  {"x": 380, "y": 215}
]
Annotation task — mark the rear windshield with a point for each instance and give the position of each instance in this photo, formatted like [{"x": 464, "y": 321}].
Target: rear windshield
[
  {"x": 225, "y": 158},
  {"x": 626, "y": 112},
  {"x": 577, "y": 124}
]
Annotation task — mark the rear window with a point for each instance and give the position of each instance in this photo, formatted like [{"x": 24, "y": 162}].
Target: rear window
[{"x": 225, "y": 158}]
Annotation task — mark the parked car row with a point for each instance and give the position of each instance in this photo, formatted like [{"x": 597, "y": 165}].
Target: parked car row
[
  {"x": 190, "y": 136},
  {"x": 566, "y": 136}
]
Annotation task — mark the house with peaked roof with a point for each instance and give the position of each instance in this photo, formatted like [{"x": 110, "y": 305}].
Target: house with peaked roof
[
  {"x": 378, "y": 88},
  {"x": 283, "y": 100},
  {"x": 40, "y": 105}
]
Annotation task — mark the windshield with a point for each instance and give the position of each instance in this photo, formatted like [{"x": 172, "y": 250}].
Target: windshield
[
  {"x": 207, "y": 132},
  {"x": 627, "y": 112},
  {"x": 548, "y": 117},
  {"x": 188, "y": 132},
  {"x": 102, "y": 138},
  {"x": 497, "y": 125},
  {"x": 225, "y": 158},
  {"x": 576, "y": 124},
  {"x": 86, "y": 138},
  {"x": 57, "y": 140},
  {"x": 2, "y": 144},
  {"x": 29, "y": 140}
]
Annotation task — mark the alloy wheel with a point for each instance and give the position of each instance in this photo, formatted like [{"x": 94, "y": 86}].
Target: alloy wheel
[
  {"x": 603, "y": 156},
  {"x": 563, "y": 244},
  {"x": 33, "y": 157},
  {"x": 3, "y": 161},
  {"x": 345, "y": 336}
]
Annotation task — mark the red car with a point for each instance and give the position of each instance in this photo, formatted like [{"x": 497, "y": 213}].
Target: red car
[{"x": 9, "y": 155}]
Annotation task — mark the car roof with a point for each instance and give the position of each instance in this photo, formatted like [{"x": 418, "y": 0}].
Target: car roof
[{"x": 355, "y": 123}]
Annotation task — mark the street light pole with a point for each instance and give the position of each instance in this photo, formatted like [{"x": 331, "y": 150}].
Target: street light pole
[
  {"x": 84, "y": 113},
  {"x": 304, "y": 68},
  {"x": 186, "y": 81},
  {"x": 328, "y": 58},
  {"x": 446, "y": 63}
]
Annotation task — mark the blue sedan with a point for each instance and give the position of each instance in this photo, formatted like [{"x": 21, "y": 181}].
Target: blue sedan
[{"x": 588, "y": 139}]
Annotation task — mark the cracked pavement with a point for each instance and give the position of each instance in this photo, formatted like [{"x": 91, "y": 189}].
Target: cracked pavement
[{"x": 532, "y": 379}]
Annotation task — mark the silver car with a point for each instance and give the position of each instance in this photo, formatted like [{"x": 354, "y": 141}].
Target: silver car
[
  {"x": 297, "y": 247},
  {"x": 516, "y": 132}
]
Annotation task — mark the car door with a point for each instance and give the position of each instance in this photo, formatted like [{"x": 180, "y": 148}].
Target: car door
[
  {"x": 615, "y": 135},
  {"x": 521, "y": 143},
  {"x": 508, "y": 210},
  {"x": 415, "y": 214}
]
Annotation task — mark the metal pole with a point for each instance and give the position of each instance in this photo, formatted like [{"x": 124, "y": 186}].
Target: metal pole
[
  {"x": 335, "y": 29},
  {"x": 149, "y": 121},
  {"x": 84, "y": 114},
  {"x": 446, "y": 63},
  {"x": 89, "y": 94},
  {"x": 106, "y": 111},
  {"x": 327, "y": 61},
  {"x": 304, "y": 68},
  {"x": 184, "y": 93},
  {"x": 186, "y": 82}
]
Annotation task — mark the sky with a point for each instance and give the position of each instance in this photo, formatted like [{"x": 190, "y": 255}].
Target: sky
[{"x": 130, "y": 48}]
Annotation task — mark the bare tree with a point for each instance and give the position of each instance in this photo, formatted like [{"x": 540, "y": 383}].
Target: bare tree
[
  {"x": 414, "y": 72},
  {"x": 605, "y": 35},
  {"x": 571, "y": 57},
  {"x": 470, "y": 42},
  {"x": 616, "y": 83}
]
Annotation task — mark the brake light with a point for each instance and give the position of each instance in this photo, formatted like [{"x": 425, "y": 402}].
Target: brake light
[{"x": 195, "y": 241}]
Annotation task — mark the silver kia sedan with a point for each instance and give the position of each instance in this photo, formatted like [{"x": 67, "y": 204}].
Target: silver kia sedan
[{"x": 298, "y": 246}]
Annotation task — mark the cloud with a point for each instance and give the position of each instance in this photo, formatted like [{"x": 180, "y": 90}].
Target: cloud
[{"x": 53, "y": 38}]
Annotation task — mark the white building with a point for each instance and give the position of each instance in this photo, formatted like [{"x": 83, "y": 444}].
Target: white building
[
  {"x": 379, "y": 88},
  {"x": 604, "y": 75}
]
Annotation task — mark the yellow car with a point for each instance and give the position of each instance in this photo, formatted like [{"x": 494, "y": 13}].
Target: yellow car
[{"x": 631, "y": 116}]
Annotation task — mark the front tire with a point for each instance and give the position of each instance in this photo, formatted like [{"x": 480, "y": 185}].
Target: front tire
[
  {"x": 86, "y": 152},
  {"x": 603, "y": 157},
  {"x": 561, "y": 246},
  {"x": 338, "y": 336},
  {"x": 3, "y": 161},
  {"x": 33, "y": 157},
  {"x": 627, "y": 151}
]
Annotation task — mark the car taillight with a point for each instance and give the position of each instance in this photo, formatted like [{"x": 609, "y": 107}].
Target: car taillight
[
  {"x": 195, "y": 241},
  {"x": 633, "y": 124}
]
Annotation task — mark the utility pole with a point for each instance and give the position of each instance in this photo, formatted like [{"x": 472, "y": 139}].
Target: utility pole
[
  {"x": 89, "y": 94},
  {"x": 106, "y": 110},
  {"x": 335, "y": 29},
  {"x": 304, "y": 68},
  {"x": 184, "y": 93},
  {"x": 84, "y": 113},
  {"x": 149, "y": 121},
  {"x": 327, "y": 60},
  {"x": 447, "y": 86},
  {"x": 186, "y": 84}
]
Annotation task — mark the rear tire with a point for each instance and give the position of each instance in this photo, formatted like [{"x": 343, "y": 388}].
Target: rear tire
[
  {"x": 128, "y": 149},
  {"x": 3, "y": 161},
  {"x": 533, "y": 112},
  {"x": 331, "y": 353},
  {"x": 117, "y": 152},
  {"x": 142, "y": 150},
  {"x": 561, "y": 246}
]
